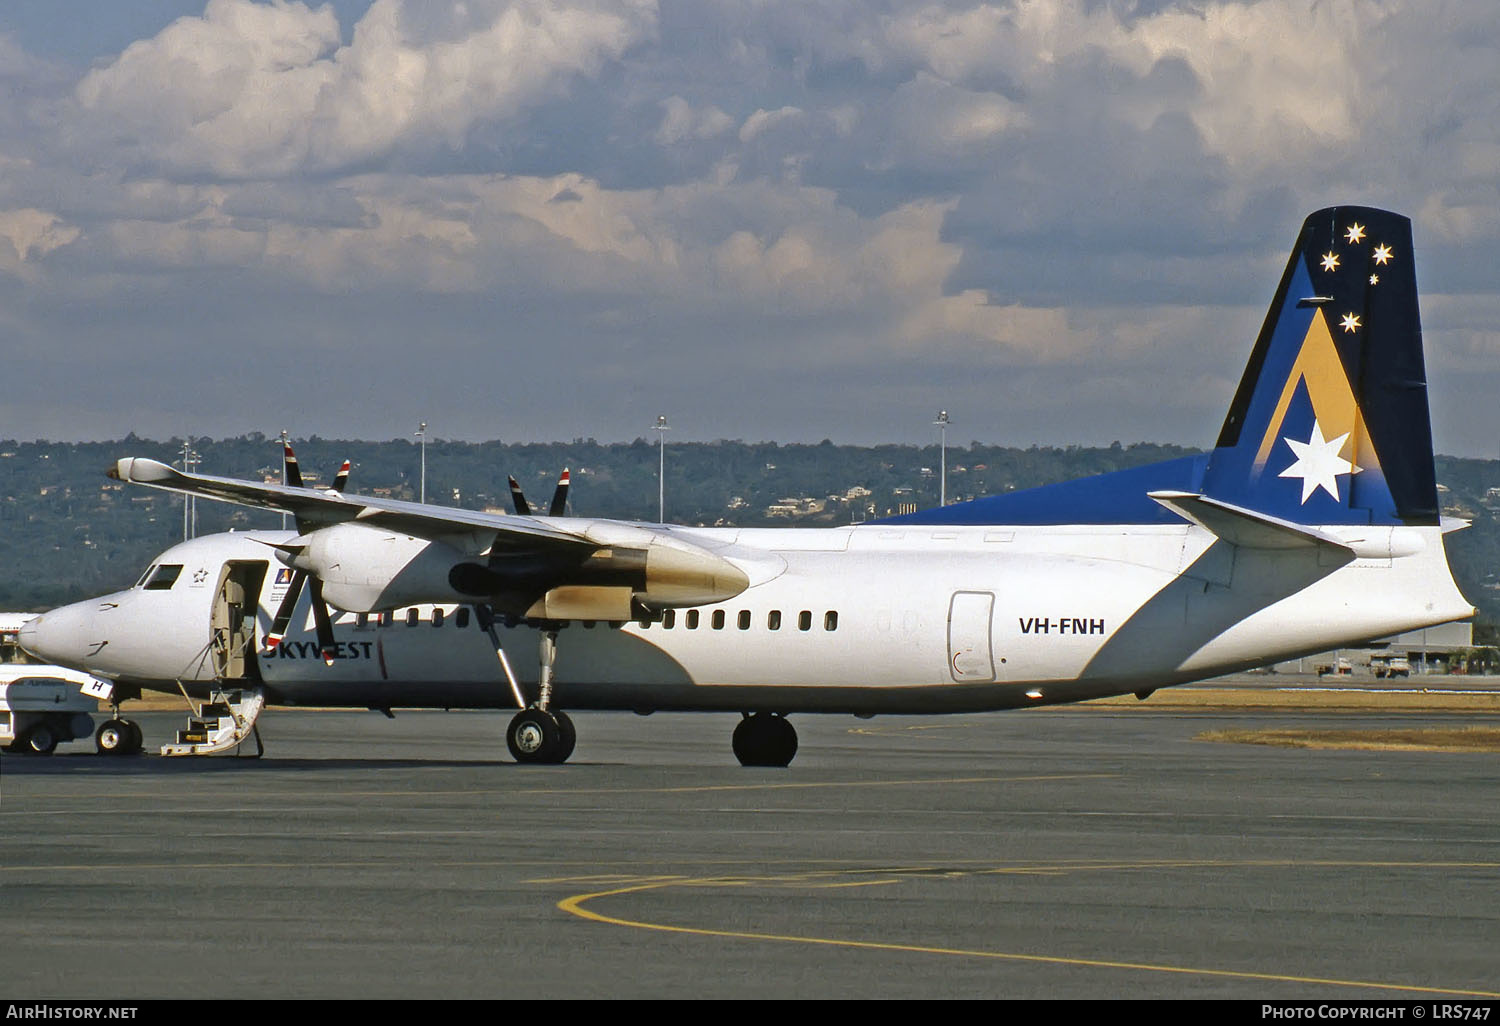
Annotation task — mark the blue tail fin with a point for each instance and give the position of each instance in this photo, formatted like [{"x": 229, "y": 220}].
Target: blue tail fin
[{"x": 1330, "y": 422}]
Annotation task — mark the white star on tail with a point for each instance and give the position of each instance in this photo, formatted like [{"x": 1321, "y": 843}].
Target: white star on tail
[{"x": 1319, "y": 463}]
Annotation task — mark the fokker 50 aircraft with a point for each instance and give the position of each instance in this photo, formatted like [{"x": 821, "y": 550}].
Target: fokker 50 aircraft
[{"x": 1313, "y": 523}]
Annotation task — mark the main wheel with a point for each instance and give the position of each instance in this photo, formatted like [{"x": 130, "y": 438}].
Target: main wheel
[
  {"x": 567, "y": 736},
  {"x": 137, "y": 740},
  {"x": 764, "y": 739},
  {"x": 534, "y": 736},
  {"x": 113, "y": 738}
]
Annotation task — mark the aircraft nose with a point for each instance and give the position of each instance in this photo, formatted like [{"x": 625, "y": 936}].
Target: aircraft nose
[{"x": 64, "y": 636}]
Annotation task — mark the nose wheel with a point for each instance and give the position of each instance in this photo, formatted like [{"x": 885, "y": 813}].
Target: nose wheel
[{"x": 118, "y": 737}]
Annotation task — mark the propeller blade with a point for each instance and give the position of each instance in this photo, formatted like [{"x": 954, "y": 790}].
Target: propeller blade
[
  {"x": 283, "y": 618},
  {"x": 523, "y": 508},
  {"x": 322, "y": 620},
  {"x": 341, "y": 479},
  {"x": 293, "y": 469},
  {"x": 560, "y": 497}
]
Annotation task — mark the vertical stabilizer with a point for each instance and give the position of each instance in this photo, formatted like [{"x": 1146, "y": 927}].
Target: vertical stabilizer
[{"x": 1330, "y": 422}]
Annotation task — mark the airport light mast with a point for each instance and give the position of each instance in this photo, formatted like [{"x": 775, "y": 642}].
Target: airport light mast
[
  {"x": 661, "y": 430},
  {"x": 942, "y": 426},
  {"x": 190, "y": 461},
  {"x": 422, "y": 434},
  {"x": 283, "y": 470}
]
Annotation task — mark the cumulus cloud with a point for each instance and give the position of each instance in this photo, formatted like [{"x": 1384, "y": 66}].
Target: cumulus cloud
[
  {"x": 964, "y": 198},
  {"x": 680, "y": 120},
  {"x": 255, "y": 89},
  {"x": 31, "y": 234}
]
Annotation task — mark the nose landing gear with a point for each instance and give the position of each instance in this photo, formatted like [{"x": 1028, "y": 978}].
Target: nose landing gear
[{"x": 117, "y": 736}]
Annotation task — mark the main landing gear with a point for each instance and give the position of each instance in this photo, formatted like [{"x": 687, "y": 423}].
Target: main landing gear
[
  {"x": 541, "y": 735},
  {"x": 764, "y": 739},
  {"x": 538, "y": 733},
  {"x": 544, "y": 735}
]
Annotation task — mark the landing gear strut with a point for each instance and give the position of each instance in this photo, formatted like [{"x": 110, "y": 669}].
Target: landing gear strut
[{"x": 764, "y": 739}]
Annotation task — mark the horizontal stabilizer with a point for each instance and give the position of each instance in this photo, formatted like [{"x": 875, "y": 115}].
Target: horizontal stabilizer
[
  {"x": 1243, "y": 527},
  {"x": 1250, "y": 529}
]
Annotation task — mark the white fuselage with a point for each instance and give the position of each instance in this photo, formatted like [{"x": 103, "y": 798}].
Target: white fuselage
[{"x": 864, "y": 619}]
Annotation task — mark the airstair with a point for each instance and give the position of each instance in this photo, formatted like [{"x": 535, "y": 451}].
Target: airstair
[{"x": 224, "y": 722}]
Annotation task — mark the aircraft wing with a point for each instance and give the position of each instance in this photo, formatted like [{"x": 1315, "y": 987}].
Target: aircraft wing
[
  {"x": 548, "y": 568},
  {"x": 316, "y": 508}
]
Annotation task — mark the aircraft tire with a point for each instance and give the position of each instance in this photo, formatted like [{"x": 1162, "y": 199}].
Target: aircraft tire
[
  {"x": 39, "y": 740},
  {"x": 137, "y": 739},
  {"x": 113, "y": 738},
  {"x": 534, "y": 736},
  {"x": 764, "y": 739},
  {"x": 567, "y": 736}
]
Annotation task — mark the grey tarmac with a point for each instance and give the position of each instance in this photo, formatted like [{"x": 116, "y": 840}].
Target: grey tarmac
[{"x": 1072, "y": 852}]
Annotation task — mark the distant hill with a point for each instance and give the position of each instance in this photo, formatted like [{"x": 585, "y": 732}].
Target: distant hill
[{"x": 67, "y": 532}]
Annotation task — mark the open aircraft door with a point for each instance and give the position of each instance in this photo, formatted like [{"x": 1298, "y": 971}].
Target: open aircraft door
[
  {"x": 234, "y": 620},
  {"x": 970, "y": 657}
]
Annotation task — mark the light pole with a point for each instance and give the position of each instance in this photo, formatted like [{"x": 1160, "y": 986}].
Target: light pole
[
  {"x": 190, "y": 460},
  {"x": 422, "y": 434},
  {"x": 661, "y": 430},
  {"x": 283, "y": 470},
  {"x": 942, "y": 425}
]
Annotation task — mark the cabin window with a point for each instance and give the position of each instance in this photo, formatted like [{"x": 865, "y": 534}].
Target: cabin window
[
  {"x": 588, "y": 625},
  {"x": 437, "y": 617},
  {"x": 718, "y": 619},
  {"x": 692, "y": 619},
  {"x": 643, "y": 624},
  {"x": 413, "y": 617},
  {"x": 773, "y": 620},
  {"x": 163, "y": 577},
  {"x": 744, "y": 619},
  {"x": 831, "y": 620},
  {"x": 385, "y": 618},
  {"x": 669, "y": 619},
  {"x": 463, "y": 617},
  {"x": 804, "y": 620},
  {"x": 362, "y": 619}
]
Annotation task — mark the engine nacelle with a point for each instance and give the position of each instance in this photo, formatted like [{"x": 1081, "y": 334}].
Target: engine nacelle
[
  {"x": 366, "y": 569},
  {"x": 369, "y": 569}
]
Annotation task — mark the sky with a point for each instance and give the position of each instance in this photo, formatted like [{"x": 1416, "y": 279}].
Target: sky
[{"x": 1060, "y": 222}]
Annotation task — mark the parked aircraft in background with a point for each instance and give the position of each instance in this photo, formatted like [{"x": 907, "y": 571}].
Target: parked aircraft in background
[{"x": 1313, "y": 523}]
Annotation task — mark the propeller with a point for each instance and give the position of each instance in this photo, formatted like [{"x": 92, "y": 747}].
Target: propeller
[
  {"x": 321, "y": 618},
  {"x": 559, "y": 497},
  {"x": 290, "y": 466}
]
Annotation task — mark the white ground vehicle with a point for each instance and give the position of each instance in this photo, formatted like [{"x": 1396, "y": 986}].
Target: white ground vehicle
[
  {"x": 1391, "y": 666},
  {"x": 40, "y": 706}
]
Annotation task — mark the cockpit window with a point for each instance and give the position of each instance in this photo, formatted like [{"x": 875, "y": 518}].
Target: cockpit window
[
  {"x": 163, "y": 577},
  {"x": 146, "y": 576}
]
